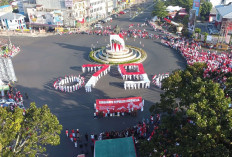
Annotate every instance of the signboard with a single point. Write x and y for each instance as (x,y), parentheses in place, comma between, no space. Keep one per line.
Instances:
(119,105)
(192,20)
(196,6)
(209,38)
(68,3)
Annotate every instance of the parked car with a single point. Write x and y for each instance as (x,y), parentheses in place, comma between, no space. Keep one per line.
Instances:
(10,101)
(126,11)
(122,12)
(98,26)
(102,21)
(114,16)
(109,18)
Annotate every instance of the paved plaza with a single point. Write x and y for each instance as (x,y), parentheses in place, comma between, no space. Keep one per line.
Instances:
(43,60)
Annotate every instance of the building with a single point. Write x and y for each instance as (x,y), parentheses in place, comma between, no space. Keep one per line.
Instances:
(52,4)
(224,19)
(216,4)
(6,9)
(23,5)
(12,21)
(96,9)
(219,2)
(121,4)
(109,7)
(20,7)
(223,13)
(80,10)
(38,17)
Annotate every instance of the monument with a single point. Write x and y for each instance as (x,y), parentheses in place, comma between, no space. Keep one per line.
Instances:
(118,52)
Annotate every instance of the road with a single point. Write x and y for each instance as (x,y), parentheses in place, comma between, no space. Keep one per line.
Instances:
(43,60)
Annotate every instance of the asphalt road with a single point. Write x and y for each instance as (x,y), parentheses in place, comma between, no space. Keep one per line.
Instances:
(43,60)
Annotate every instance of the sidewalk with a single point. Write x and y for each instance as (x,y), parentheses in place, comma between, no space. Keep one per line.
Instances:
(36,34)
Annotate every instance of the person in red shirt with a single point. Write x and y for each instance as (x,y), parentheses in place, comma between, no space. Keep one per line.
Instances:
(73,133)
(71,137)
(66,132)
(75,141)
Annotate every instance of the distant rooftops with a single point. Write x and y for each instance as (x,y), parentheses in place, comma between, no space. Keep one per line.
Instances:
(11,16)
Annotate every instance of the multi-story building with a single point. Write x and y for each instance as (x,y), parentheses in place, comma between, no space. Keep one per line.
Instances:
(109,7)
(52,4)
(12,21)
(97,9)
(80,10)
(37,16)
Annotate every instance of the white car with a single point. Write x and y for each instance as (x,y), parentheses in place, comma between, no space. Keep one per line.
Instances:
(109,18)
(98,26)
(2,101)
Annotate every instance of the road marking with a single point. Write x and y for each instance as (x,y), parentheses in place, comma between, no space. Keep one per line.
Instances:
(142,11)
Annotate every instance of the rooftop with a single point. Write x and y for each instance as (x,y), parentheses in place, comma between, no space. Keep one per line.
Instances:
(4,6)
(111,147)
(225,11)
(11,16)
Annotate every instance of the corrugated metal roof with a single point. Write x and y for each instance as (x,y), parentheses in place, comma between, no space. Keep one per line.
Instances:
(225,11)
(11,16)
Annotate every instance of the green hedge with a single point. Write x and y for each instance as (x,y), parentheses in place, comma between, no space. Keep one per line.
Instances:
(143,55)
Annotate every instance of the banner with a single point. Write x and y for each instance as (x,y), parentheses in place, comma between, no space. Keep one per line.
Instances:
(119,105)
(192,20)
(196,6)
(68,3)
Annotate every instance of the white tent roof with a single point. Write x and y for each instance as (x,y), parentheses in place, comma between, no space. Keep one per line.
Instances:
(173,8)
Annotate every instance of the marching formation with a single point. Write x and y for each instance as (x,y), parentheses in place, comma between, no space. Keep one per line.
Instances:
(99,69)
(157,79)
(69,83)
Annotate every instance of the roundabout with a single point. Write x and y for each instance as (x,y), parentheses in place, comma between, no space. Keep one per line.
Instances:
(118,52)
(45,59)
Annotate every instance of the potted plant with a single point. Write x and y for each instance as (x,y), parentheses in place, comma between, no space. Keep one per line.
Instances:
(179,28)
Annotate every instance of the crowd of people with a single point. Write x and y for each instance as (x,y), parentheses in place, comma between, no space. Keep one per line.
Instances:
(10,51)
(13,99)
(133,31)
(145,129)
(157,79)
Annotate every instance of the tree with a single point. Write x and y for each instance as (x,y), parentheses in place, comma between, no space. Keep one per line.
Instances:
(186,20)
(4,2)
(197,30)
(205,36)
(205,9)
(160,9)
(27,135)
(197,120)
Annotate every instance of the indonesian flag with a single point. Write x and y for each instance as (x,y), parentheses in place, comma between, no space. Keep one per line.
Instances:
(83,21)
(120,35)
